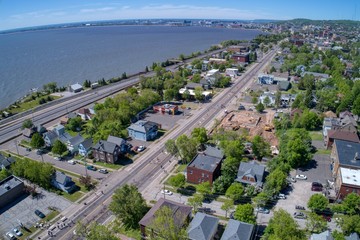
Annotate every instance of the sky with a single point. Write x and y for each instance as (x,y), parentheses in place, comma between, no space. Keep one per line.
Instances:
(26,13)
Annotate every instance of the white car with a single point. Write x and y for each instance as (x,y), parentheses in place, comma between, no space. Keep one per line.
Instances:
(10,236)
(103,170)
(17,232)
(166,192)
(301,177)
(281,196)
(141,148)
(72,162)
(57,158)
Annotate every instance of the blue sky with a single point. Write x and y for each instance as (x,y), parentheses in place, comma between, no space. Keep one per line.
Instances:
(24,13)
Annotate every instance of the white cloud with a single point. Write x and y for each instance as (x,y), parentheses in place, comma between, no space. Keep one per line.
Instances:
(92,10)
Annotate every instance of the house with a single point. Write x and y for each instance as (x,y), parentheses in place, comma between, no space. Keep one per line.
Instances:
(346,113)
(251,173)
(5,162)
(27,132)
(59,133)
(287,99)
(192,85)
(143,130)
(329,124)
(345,154)
(10,189)
(50,137)
(120,142)
(65,119)
(205,84)
(284,85)
(63,182)
(236,230)
(206,166)
(322,236)
(75,88)
(213,76)
(84,113)
(73,143)
(204,65)
(181,214)
(266,79)
(232,72)
(340,135)
(241,57)
(267,95)
(105,151)
(347,181)
(85,147)
(166,108)
(318,76)
(203,227)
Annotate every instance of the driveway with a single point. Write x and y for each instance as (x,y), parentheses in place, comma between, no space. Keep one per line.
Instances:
(318,169)
(167,121)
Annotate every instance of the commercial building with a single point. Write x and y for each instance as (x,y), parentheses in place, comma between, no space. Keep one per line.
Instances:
(10,189)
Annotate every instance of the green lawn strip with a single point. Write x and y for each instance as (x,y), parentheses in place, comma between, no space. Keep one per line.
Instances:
(29,105)
(68,172)
(316,136)
(181,168)
(108,165)
(323,151)
(25,143)
(72,133)
(51,215)
(32,229)
(73,197)
(132,233)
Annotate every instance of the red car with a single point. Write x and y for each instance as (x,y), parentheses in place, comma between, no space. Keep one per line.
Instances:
(327,217)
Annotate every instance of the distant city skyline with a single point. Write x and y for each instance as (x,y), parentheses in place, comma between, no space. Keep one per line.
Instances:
(25,13)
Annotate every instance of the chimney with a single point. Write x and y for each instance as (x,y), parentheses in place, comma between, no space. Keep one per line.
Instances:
(357,157)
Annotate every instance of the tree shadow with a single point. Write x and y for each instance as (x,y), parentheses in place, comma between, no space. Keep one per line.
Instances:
(187,191)
(310,165)
(124,161)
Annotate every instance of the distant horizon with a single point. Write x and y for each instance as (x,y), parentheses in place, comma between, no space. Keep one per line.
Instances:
(23,13)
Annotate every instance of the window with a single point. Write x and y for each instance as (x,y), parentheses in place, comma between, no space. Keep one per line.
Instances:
(202,175)
(191,171)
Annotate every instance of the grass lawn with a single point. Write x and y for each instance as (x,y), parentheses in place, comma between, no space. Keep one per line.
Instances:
(72,133)
(316,136)
(72,197)
(181,168)
(51,215)
(25,143)
(29,105)
(108,165)
(133,233)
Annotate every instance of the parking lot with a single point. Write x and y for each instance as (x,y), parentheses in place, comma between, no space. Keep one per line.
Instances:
(167,121)
(23,210)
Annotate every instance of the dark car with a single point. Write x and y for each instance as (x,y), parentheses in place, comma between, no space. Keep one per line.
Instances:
(316,189)
(206,210)
(241,107)
(39,214)
(92,168)
(316,184)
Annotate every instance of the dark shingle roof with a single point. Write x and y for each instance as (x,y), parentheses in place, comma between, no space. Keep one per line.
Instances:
(76,140)
(202,227)
(60,177)
(236,230)
(251,169)
(204,162)
(214,152)
(6,162)
(116,140)
(179,210)
(87,143)
(105,146)
(142,126)
(347,152)
(343,135)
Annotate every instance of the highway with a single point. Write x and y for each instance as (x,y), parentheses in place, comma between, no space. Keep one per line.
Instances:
(146,167)
(10,127)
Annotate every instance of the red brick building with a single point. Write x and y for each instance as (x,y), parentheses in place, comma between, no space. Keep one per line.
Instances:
(347,181)
(241,57)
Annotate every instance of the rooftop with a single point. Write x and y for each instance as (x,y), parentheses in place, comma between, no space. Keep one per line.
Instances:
(205,162)
(348,153)
(202,227)
(350,176)
(344,135)
(9,183)
(236,230)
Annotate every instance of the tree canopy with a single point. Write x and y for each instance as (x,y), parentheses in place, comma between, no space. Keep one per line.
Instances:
(235,191)
(37,141)
(245,213)
(318,202)
(59,148)
(27,124)
(177,180)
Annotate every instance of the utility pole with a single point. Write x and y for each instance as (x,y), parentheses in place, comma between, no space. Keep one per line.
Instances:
(164,191)
(16,145)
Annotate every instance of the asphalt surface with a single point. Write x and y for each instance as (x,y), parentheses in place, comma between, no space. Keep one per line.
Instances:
(142,172)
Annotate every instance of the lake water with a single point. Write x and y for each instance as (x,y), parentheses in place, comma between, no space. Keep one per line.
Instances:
(66,56)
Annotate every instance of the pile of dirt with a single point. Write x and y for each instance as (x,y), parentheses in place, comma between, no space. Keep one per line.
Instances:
(253,122)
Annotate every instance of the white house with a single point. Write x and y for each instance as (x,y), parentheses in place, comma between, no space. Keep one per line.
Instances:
(232,72)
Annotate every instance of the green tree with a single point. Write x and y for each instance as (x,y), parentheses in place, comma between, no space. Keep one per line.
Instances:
(260,107)
(99,232)
(182,57)
(277,99)
(50,87)
(235,191)
(4,174)
(310,120)
(171,148)
(316,223)
(37,141)
(283,226)
(196,201)
(198,93)
(58,148)
(356,106)
(146,69)
(260,147)
(227,206)
(318,202)
(204,189)
(177,180)
(262,198)
(165,227)
(196,78)
(338,235)
(350,224)
(245,213)
(266,101)
(276,181)
(124,76)
(234,149)
(128,205)
(351,203)
(199,135)
(186,95)
(74,124)
(186,147)
(132,91)
(27,124)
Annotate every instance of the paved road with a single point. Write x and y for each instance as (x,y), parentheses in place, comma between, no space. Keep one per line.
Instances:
(148,166)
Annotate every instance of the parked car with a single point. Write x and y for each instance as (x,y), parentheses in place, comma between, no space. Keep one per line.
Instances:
(141,148)
(39,152)
(299,215)
(301,177)
(316,189)
(316,184)
(57,158)
(28,149)
(92,168)
(292,179)
(327,217)
(206,210)
(17,232)
(262,210)
(10,236)
(39,214)
(241,107)
(281,196)
(166,192)
(103,170)
(72,162)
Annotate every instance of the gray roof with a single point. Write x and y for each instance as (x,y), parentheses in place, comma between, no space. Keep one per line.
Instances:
(180,212)
(214,152)
(329,122)
(117,140)
(9,183)
(105,146)
(87,143)
(202,227)
(251,169)
(284,85)
(315,74)
(60,177)
(236,230)
(193,85)
(52,135)
(76,86)
(6,161)
(76,140)
(204,162)
(142,126)
(322,236)
(353,236)
(347,152)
